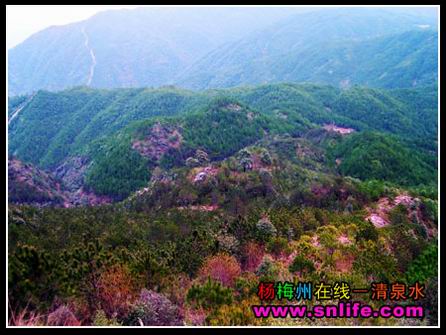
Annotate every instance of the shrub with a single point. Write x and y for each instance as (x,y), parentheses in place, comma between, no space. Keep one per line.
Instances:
(174,286)
(252,255)
(287,223)
(373,189)
(430,301)
(100,319)
(308,220)
(398,215)
(239,314)
(424,266)
(429,208)
(201,156)
(210,295)
(301,264)
(31,277)
(265,157)
(62,316)
(265,229)
(405,246)
(222,268)
(367,231)
(278,246)
(26,318)
(373,260)
(195,317)
(227,242)
(267,270)
(192,162)
(154,309)
(246,285)
(115,291)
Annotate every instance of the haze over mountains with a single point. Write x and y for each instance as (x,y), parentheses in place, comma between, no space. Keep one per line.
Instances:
(225,47)
(164,162)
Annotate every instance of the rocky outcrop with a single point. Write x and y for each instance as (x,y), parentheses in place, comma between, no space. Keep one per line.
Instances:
(64,187)
(159,140)
(30,185)
(72,172)
(340,130)
(379,215)
(198,175)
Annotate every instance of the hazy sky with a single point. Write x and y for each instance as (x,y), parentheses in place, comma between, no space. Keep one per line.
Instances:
(25,20)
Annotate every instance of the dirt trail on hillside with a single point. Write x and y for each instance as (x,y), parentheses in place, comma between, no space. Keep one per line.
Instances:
(20,108)
(92,55)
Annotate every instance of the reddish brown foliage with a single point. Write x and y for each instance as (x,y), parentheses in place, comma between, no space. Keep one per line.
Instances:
(252,255)
(221,267)
(116,291)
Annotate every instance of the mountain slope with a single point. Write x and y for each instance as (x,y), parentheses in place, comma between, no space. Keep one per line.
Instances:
(112,140)
(225,47)
(54,126)
(340,47)
(371,155)
(27,184)
(403,60)
(128,48)
(124,162)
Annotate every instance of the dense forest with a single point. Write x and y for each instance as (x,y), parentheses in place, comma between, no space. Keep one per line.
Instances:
(200,160)
(191,250)
(213,193)
(54,126)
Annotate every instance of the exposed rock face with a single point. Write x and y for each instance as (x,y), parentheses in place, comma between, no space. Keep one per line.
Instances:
(72,172)
(337,129)
(202,208)
(343,239)
(201,174)
(234,107)
(160,139)
(82,197)
(344,84)
(377,220)
(379,216)
(315,241)
(28,184)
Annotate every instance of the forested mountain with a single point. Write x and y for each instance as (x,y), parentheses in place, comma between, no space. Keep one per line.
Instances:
(103,127)
(128,48)
(342,48)
(214,200)
(402,60)
(209,48)
(52,126)
(164,163)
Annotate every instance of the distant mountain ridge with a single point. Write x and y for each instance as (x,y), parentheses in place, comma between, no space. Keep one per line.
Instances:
(408,59)
(132,48)
(341,47)
(225,47)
